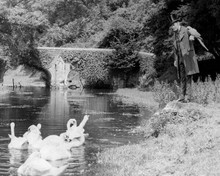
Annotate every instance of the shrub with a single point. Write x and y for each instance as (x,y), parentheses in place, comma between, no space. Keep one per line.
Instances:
(165,92)
(91,66)
(124,62)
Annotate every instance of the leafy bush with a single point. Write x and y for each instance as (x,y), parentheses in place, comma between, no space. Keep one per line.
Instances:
(164,92)
(91,66)
(123,60)
(124,63)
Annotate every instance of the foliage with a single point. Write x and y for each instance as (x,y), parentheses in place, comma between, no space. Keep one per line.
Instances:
(134,24)
(19,29)
(95,73)
(147,70)
(165,92)
(201,92)
(45,58)
(123,60)
(123,34)
(206,92)
(91,66)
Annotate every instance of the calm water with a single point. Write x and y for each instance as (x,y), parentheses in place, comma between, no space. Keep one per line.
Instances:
(111,123)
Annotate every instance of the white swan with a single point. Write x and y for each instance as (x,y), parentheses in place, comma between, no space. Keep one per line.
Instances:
(74,142)
(54,140)
(35,139)
(71,123)
(33,128)
(51,148)
(33,135)
(17,142)
(73,137)
(37,166)
(54,152)
(75,132)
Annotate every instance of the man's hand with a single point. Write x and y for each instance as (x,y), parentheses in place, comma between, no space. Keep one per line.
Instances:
(191,37)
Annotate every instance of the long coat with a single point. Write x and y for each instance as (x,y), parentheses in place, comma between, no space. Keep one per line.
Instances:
(187,51)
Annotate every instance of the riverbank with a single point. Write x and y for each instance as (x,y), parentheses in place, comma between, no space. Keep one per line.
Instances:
(183,139)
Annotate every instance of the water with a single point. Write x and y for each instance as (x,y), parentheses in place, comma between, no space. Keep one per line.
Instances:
(110,124)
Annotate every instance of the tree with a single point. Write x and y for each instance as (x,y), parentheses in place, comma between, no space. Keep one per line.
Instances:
(19,28)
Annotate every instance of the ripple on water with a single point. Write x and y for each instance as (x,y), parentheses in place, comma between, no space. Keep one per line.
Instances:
(15,107)
(6,167)
(132,115)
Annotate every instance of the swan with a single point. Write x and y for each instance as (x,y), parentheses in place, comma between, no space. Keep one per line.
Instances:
(37,142)
(51,148)
(75,132)
(54,152)
(33,135)
(17,142)
(73,137)
(31,129)
(37,166)
(71,123)
(74,142)
(51,144)
(58,142)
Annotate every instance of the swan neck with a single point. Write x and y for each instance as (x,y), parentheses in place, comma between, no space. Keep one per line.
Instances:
(69,123)
(83,122)
(12,130)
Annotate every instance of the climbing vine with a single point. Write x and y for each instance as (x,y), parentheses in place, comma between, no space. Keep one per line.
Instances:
(91,66)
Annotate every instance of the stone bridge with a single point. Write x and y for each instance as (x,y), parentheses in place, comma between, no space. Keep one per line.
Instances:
(61,61)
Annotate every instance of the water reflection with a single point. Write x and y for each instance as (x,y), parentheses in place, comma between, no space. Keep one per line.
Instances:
(57,107)
(109,125)
(18,156)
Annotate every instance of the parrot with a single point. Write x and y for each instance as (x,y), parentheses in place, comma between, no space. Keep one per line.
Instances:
(196,34)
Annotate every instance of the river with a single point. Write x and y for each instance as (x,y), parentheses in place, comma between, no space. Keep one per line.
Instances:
(110,124)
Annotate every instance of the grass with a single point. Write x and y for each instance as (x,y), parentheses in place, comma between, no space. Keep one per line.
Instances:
(181,141)
(200,92)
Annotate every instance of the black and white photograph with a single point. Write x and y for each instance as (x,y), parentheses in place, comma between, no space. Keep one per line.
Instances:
(109,87)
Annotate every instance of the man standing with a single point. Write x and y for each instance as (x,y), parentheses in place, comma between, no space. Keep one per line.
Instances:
(185,58)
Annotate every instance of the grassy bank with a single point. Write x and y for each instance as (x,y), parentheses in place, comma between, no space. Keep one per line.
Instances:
(180,140)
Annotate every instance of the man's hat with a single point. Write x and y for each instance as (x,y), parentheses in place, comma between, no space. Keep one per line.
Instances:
(174,19)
